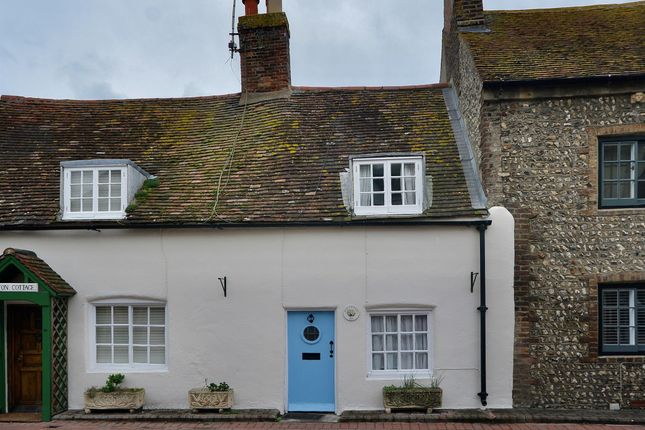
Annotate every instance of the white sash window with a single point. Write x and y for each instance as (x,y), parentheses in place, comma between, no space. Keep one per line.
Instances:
(129,336)
(385,186)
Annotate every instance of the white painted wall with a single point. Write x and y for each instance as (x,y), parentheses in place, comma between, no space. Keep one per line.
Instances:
(241,338)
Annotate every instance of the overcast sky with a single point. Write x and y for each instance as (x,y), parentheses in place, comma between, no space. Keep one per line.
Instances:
(96,49)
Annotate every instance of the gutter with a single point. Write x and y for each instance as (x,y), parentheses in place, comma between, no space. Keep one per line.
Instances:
(562,87)
(225,225)
(566,80)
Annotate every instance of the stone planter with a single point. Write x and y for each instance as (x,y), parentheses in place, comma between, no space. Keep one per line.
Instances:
(411,398)
(203,398)
(131,399)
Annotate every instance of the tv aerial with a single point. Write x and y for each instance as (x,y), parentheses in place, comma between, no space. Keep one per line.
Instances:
(232,46)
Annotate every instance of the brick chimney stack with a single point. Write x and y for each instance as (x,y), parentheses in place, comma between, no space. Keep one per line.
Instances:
(464,13)
(264,49)
(459,16)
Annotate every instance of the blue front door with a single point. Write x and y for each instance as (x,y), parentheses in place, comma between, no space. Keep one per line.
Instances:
(311,351)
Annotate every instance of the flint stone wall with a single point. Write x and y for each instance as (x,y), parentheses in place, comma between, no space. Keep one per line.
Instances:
(539,160)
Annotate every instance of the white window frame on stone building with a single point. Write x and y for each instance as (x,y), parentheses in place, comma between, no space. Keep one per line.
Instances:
(621,181)
(622,320)
(388,185)
(127,321)
(392,344)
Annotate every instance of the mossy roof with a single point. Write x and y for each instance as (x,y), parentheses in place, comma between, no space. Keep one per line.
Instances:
(574,42)
(40,268)
(218,161)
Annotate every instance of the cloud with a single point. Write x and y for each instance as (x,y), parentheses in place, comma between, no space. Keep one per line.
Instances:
(90,79)
(95,91)
(192,89)
(166,48)
(6,56)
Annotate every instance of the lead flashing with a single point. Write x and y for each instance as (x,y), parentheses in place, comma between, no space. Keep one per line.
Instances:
(478,198)
(117,162)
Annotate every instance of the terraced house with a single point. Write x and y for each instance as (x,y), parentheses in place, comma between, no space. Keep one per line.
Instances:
(554,100)
(306,245)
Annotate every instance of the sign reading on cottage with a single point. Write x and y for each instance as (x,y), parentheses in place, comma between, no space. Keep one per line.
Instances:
(18,288)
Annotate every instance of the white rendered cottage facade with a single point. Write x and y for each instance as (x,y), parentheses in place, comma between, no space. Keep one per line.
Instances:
(306,245)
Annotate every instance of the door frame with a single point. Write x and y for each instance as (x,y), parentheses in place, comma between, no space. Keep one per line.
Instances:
(43,302)
(332,309)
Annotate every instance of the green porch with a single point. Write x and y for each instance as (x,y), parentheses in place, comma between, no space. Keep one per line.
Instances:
(34,294)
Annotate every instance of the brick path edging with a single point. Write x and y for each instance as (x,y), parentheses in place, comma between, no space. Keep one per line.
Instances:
(491,416)
(176,415)
(499,416)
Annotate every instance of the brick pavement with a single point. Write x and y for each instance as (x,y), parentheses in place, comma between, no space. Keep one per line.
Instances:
(109,425)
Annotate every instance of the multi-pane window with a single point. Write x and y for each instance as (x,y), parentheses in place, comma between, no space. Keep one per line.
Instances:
(131,336)
(94,193)
(622,173)
(388,186)
(109,190)
(81,191)
(400,342)
(622,327)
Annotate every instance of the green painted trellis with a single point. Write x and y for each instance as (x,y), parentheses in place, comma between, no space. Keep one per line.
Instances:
(53,307)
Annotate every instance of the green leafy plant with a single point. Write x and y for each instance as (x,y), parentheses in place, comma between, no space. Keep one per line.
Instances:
(112,383)
(222,386)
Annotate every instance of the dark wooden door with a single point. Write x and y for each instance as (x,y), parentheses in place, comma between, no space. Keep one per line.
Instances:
(24,341)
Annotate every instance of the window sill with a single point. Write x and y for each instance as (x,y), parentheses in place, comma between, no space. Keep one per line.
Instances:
(362,214)
(399,375)
(128,369)
(632,210)
(94,217)
(621,354)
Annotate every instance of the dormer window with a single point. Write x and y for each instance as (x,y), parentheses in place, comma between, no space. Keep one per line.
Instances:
(388,185)
(99,189)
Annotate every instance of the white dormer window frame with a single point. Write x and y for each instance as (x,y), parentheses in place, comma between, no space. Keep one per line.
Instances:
(96,192)
(388,185)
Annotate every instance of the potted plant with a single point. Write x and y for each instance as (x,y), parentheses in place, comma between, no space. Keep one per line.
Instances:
(412,395)
(211,396)
(113,396)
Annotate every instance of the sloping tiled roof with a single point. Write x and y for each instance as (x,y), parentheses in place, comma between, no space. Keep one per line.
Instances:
(592,41)
(219,161)
(39,268)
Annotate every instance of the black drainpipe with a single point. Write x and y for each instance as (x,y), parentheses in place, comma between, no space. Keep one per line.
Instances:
(482,311)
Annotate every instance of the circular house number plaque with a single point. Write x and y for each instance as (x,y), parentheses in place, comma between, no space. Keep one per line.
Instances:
(351,313)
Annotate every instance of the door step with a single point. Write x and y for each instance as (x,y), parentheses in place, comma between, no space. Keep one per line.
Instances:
(310,417)
(20,417)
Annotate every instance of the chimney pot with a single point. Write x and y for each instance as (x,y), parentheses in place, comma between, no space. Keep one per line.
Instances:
(274,6)
(251,7)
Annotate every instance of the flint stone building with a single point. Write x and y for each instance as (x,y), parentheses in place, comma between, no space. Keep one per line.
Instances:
(554,104)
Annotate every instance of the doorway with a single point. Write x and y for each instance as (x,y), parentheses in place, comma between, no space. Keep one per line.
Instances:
(311,362)
(24,358)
